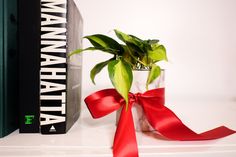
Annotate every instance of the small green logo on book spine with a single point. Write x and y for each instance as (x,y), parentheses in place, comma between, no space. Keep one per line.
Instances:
(29,119)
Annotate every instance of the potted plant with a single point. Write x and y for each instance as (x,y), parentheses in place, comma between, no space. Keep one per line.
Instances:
(133,55)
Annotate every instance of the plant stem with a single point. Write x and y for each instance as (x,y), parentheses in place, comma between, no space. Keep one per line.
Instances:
(147,86)
(136,58)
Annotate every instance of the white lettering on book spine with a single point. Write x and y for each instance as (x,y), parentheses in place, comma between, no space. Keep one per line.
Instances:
(53,62)
(53,73)
(53,46)
(52,20)
(51,59)
(54,33)
(51,87)
(53,6)
(51,119)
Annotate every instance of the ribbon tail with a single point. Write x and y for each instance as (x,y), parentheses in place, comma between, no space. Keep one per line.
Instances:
(169,125)
(125,144)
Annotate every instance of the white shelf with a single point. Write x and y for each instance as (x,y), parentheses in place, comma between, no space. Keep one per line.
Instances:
(93,138)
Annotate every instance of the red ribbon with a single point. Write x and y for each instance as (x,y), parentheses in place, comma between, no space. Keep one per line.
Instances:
(160,117)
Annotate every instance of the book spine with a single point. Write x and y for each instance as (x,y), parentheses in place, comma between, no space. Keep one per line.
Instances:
(1,69)
(53,71)
(29,64)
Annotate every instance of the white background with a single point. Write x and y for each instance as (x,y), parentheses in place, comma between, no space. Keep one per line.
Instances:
(199,35)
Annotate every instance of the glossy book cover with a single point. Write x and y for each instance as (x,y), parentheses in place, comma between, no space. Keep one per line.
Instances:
(8,67)
(60,77)
(29,65)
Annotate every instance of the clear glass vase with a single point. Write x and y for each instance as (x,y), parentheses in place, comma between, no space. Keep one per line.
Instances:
(139,86)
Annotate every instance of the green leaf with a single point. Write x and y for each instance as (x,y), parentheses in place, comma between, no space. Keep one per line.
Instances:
(131,41)
(106,43)
(153,74)
(127,57)
(152,41)
(146,60)
(123,37)
(151,44)
(78,51)
(136,38)
(97,68)
(136,50)
(121,76)
(158,54)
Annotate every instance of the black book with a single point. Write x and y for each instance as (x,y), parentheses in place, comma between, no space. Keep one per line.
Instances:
(60,76)
(29,65)
(8,67)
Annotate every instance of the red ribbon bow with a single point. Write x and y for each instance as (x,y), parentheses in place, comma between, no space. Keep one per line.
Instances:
(160,117)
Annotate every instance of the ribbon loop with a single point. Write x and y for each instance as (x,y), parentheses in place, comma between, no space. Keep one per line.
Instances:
(103,102)
(160,117)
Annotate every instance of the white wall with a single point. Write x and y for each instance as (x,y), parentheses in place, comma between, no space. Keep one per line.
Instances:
(200,37)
